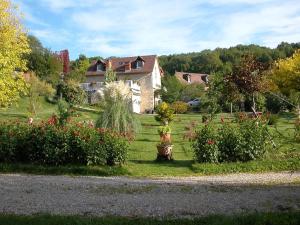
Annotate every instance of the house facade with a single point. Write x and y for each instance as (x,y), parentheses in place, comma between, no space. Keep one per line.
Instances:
(141,73)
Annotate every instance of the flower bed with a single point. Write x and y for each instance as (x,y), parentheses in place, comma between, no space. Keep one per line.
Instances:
(48,143)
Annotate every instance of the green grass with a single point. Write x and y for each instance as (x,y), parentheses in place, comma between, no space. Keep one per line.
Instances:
(289,218)
(141,157)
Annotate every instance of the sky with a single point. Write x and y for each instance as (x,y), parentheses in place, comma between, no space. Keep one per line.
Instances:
(141,27)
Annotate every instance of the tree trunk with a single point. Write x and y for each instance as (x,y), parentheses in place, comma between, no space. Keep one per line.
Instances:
(298,109)
(253,103)
(231,108)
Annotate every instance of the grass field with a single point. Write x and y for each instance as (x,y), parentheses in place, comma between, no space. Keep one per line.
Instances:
(291,218)
(142,154)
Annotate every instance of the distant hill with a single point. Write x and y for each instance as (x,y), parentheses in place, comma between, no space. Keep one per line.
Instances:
(221,60)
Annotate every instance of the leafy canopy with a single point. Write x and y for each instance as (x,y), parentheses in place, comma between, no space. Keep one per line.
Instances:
(13,46)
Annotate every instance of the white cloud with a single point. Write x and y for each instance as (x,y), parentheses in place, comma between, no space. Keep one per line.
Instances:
(132,27)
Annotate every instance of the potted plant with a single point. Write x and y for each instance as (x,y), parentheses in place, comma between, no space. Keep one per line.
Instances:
(165,133)
(164,151)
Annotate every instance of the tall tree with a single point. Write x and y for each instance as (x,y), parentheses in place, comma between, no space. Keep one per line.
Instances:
(249,77)
(286,75)
(13,46)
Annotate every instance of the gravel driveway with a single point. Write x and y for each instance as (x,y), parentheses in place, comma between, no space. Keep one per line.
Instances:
(171,197)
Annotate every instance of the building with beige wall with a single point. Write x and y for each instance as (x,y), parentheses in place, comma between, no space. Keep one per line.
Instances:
(141,73)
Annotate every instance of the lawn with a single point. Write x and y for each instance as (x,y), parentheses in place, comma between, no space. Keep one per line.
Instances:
(290,218)
(142,154)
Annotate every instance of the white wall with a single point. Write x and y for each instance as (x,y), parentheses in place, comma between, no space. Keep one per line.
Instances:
(156,79)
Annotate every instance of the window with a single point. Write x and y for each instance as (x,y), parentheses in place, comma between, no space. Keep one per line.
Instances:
(187,77)
(100,67)
(139,64)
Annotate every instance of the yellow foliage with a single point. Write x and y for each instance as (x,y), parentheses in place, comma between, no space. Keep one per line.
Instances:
(286,74)
(13,46)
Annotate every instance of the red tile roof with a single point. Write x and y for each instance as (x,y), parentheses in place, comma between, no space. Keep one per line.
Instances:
(195,77)
(118,65)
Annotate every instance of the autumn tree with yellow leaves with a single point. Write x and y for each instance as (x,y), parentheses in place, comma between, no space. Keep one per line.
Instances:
(13,46)
(286,75)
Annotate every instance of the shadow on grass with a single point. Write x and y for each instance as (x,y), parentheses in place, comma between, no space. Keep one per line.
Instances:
(64,170)
(173,163)
(13,115)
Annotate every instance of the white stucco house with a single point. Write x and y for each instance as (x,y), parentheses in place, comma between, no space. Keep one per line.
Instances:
(142,74)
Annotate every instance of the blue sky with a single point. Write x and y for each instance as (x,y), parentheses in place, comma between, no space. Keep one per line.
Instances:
(140,27)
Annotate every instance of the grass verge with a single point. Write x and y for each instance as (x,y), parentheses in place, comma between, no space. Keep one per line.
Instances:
(288,218)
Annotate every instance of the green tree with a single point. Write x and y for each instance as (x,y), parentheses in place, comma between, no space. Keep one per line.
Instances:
(79,68)
(110,75)
(37,88)
(171,89)
(13,46)
(45,64)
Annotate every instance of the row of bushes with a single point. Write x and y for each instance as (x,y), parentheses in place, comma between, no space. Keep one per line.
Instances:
(244,141)
(48,143)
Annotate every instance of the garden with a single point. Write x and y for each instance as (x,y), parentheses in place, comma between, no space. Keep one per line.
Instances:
(229,143)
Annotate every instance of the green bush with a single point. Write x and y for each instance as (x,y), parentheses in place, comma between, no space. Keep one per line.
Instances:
(275,104)
(297,130)
(179,107)
(71,92)
(229,144)
(272,119)
(255,139)
(206,145)
(244,141)
(47,143)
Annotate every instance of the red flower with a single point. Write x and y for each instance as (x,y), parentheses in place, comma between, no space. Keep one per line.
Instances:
(210,142)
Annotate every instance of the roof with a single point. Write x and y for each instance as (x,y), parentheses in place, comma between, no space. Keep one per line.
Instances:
(200,78)
(121,65)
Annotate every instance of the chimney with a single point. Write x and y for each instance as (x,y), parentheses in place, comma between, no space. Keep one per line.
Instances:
(109,64)
(127,66)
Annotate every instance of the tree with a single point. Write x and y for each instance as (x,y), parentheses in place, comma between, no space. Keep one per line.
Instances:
(79,68)
(37,88)
(110,75)
(13,46)
(249,78)
(286,75)
(171,89)
(45,64)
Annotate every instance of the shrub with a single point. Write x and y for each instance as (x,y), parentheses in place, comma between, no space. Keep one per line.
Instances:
(276,103)
(117,112)
(297,130)
(179,107)
(245,141)
(46,143)
(205,145)
(254,134)
(165,114)
(272,119)
(71,92)
(64,112)
(230,141)
(164,130)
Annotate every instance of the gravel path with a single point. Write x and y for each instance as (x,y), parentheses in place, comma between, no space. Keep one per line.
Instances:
(171,197)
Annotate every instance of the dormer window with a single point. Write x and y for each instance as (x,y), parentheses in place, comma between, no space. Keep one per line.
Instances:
(139,64)
(100,67)
(187,77)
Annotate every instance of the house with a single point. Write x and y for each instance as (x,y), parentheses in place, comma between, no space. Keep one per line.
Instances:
(141,73)
(191,78)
